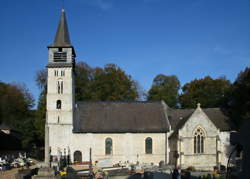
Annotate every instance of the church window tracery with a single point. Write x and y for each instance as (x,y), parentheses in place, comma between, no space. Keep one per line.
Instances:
(148,145)
(199,141)
(108,146)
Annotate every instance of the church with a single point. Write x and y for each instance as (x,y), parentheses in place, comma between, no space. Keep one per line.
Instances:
(126,131)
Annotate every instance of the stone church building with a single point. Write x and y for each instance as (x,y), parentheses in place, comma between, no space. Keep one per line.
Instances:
(126,131)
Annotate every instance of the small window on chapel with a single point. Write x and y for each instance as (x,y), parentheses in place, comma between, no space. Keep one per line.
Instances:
(148,145)
(108,146)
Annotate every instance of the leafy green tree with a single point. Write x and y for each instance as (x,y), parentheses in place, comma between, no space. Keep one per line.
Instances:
(165,88)
(84,76)
(40,114)
(238,101)
(16,103)
(207,91)
(112,83)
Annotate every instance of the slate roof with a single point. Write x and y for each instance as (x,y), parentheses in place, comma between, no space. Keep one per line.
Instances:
(178,117)
(62,38)
(120,117)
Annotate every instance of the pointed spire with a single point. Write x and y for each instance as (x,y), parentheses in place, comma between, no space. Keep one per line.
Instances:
(62,35)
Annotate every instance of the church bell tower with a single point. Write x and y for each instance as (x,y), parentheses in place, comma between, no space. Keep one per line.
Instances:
(60,84)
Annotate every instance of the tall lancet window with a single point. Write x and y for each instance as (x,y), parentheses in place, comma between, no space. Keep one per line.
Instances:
(199,137)
(60,86)
(108,146)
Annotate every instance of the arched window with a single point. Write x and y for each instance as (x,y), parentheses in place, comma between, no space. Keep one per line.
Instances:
(60,87)
(77,156)
(58,104)
(108,146)
(148,145)
(199,141)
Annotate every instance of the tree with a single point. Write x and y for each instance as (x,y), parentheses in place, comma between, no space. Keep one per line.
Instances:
(112,83)
(207,91)
(84,77)
(16,103)
(165,88)
(238,101)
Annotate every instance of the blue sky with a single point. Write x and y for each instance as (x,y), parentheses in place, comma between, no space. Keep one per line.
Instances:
(188,38)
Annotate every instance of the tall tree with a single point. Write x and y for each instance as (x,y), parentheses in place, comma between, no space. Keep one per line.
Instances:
(165,88)
(112,83)
(16,103)
(238,102)
(207,91)
(84,76)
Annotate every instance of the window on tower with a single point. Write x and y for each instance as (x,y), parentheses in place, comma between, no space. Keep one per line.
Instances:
(60,86)
(62,73)
(58,104)
(60,56)
(56,72)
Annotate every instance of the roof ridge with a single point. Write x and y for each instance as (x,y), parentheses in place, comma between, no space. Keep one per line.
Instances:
(117,101)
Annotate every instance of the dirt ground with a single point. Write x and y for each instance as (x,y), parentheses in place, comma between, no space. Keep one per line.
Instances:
(10,174)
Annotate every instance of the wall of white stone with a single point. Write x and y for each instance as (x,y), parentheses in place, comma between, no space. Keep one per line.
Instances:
(225,147)
(126,146)
(65,114)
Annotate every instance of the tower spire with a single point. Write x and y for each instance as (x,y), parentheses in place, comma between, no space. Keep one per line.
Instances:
(62,38)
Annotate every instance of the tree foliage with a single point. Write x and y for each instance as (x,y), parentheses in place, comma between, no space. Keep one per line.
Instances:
(207,91)
(112,83)
(165,88)
(16,104)
(238,101)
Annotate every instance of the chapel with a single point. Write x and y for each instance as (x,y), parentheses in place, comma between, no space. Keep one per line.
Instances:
(126,131)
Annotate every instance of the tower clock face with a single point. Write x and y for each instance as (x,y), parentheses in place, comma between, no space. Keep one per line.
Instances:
(60,57)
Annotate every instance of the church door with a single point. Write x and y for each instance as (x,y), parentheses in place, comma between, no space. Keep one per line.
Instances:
(77,156)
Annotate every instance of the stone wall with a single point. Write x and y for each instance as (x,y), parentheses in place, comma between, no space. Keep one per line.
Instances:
(126,146)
